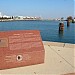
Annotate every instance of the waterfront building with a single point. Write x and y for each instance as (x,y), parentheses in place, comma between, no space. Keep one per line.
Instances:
(20,17)
(5,16)
(74,19)
(0,14)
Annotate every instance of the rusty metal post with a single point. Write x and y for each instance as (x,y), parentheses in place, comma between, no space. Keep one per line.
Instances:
(61,26)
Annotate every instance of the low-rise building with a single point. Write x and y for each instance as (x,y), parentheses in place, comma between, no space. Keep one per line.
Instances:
(0,14)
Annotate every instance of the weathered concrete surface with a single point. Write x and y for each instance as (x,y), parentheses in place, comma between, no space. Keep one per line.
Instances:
(59,60)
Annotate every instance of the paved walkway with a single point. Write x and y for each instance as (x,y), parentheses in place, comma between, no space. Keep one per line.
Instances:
(59,60)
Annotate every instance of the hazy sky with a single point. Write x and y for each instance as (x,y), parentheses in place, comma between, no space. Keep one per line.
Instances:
(43,8)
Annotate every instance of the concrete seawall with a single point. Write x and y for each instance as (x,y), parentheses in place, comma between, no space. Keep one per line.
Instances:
(59,60)
(68,45)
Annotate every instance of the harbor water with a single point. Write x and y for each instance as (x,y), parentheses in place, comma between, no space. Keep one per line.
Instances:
(49,29)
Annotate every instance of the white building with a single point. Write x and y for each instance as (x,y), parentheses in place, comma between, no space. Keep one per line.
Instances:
(20,17)
(74,19)
(5,16)
(0,14)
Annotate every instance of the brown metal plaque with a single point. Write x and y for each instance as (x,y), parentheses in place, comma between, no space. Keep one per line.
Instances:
(3,42)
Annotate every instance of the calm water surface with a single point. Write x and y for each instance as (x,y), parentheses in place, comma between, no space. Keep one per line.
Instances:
(49,29)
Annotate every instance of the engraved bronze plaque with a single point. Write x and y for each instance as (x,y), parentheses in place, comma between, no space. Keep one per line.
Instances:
(3,42)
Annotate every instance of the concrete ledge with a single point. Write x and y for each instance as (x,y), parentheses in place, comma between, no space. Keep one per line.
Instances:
(59,44)
(59,60)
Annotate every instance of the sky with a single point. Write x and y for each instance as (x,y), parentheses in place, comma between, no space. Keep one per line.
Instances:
(41,8)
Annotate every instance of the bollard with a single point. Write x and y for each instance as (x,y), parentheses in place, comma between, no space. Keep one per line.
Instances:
(61,26)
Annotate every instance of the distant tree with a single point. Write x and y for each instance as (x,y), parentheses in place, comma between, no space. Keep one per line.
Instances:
(73,21)
(69,18)
(2,17)
(12,17)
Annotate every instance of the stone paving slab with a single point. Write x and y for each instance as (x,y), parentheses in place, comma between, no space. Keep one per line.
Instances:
(65,53)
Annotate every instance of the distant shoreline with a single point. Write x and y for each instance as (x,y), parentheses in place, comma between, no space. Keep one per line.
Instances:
(9,20)
(12,20)
(17,20)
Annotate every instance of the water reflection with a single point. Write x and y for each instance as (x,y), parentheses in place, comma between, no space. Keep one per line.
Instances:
(61,33)
(68,26)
